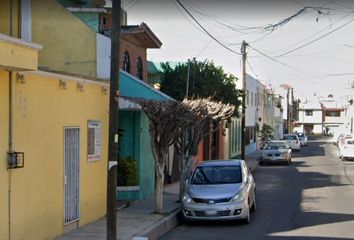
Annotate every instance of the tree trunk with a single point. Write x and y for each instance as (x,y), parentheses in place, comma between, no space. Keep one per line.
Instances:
(181,185)
(159,189)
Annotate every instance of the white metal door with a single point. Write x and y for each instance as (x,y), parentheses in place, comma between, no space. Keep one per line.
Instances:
(71,175)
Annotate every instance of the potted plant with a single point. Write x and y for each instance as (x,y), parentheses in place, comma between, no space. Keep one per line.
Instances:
(128,179)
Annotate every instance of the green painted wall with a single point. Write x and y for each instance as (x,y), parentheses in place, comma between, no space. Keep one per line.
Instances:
(147,164)
(136,142)
(127,146)
(235,137)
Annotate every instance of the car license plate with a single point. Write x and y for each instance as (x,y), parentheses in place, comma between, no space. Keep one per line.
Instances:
(210,212)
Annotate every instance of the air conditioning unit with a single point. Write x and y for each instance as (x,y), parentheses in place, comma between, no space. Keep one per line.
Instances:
(15,160)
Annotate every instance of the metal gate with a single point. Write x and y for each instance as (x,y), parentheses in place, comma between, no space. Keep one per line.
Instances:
(71,175)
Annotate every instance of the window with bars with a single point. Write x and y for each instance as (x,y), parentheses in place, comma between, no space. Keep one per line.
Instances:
(139,68)
(126,62)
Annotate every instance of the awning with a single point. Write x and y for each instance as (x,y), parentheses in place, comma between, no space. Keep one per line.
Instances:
(133,89)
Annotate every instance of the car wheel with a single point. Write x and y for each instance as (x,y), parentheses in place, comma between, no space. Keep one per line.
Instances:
(261,163)
(344,159)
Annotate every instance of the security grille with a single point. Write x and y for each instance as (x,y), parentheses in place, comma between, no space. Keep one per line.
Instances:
(71,175)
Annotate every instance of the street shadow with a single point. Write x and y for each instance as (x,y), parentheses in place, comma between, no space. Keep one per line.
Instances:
(313,149)
(308,238)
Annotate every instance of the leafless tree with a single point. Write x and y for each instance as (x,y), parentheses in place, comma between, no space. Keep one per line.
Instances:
(206,113)
(167,119)
(183,124)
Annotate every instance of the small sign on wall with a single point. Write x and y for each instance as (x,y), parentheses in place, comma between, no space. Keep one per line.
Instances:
(93,140)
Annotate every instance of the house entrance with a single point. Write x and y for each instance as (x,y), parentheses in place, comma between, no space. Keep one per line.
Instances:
(71,175)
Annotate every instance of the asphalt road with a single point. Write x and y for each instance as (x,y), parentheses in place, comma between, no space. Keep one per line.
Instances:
(311,199)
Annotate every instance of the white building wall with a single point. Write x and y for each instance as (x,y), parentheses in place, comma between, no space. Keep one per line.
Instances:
(26,20)
(103,52)
(252,92)
(318,128)
(315,118)
(252,114)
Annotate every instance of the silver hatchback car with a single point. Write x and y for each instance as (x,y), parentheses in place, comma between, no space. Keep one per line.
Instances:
(276,151)
(220,190)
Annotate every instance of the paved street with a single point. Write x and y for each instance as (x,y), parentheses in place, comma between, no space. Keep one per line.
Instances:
(311,199)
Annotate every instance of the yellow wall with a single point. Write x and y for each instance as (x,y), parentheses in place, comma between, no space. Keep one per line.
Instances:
(41,111)
(69,44)
(15,56)
(4,116)
(5,17)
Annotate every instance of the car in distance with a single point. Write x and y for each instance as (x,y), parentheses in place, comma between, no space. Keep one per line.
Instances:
(347,149)
(275,151)
(293,141)
(341,140)
(219,190)
(303,138)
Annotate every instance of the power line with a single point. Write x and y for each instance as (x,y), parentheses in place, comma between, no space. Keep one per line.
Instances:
(316,39)
(204,48)
(215,39)
(323,29)
(249,64)
(188,19)
(272,58)
(215,19)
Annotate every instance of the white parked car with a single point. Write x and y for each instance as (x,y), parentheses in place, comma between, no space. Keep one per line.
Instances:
(293,141)
(303,138)
(341,140)
(347,149)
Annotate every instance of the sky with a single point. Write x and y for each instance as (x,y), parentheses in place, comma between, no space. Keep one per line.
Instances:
(312,52)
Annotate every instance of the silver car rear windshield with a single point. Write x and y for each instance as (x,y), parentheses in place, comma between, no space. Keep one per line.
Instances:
(274,147)
(217,175)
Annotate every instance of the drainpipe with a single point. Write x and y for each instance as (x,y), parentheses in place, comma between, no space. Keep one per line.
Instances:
(10,128)
(10,149)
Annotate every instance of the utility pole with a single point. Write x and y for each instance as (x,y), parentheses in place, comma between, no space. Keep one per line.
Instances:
(111,231)
(288,110)
(187,84)
(243,123)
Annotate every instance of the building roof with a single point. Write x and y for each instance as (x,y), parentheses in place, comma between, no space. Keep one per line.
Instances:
(143,34)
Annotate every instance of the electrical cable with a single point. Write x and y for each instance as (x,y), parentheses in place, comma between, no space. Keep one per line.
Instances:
(206,31)
(316,39)
(249,64)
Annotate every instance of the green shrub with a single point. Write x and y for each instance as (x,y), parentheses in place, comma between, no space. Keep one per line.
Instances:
(127,172)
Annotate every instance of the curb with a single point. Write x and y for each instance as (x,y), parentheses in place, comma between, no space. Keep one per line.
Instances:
(159,228)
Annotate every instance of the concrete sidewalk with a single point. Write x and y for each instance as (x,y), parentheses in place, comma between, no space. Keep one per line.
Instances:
(138,221)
